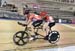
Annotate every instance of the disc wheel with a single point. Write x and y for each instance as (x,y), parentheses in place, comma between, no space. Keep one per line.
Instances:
(20,38)
(53,37)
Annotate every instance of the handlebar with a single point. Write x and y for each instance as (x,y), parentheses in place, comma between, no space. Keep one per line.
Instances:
(22,24)
(25,25)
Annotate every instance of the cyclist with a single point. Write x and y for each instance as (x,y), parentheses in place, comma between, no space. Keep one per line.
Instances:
(32,19)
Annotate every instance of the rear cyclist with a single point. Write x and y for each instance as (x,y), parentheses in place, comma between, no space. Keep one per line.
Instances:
(48,22)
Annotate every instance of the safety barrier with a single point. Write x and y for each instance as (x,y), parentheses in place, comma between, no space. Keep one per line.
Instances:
(63,21)
(12,18)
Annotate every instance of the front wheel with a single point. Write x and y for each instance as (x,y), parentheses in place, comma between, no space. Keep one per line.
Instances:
(53,37)
(20,38)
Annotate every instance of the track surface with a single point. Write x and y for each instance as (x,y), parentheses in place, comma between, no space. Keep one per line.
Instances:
(8,28)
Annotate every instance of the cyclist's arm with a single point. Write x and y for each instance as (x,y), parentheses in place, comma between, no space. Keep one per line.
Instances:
(30,19)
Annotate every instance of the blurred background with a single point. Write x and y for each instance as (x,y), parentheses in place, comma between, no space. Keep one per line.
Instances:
(63,11)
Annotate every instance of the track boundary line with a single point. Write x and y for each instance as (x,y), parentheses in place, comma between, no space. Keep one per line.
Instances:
(69,26)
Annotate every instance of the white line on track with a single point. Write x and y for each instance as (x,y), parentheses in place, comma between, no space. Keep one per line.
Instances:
(68,26)
(69,48)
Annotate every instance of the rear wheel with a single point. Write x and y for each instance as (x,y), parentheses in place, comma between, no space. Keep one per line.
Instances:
(21,38)
(53,37)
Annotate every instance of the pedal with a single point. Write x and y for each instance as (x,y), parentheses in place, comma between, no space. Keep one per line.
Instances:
(35,37)
(31,38)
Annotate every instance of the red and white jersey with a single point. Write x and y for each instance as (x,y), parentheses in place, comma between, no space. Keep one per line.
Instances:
(49,19)
(34,17)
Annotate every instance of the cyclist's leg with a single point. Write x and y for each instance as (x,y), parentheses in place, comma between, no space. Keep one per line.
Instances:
(34,35)
(51,25)
(36,24)
(46,29)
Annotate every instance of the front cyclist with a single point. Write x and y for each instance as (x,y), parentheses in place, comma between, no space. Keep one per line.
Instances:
(33,19)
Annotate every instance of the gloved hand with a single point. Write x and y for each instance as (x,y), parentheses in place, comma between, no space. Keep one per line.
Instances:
(19,23)
(22,24)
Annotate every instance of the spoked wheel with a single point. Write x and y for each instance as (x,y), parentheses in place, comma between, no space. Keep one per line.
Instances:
(20,38)
(53,37)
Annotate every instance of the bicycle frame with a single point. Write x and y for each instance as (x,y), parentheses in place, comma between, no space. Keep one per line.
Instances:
(26,35)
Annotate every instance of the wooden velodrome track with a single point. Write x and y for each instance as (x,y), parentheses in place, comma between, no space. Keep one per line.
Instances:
(9,27)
